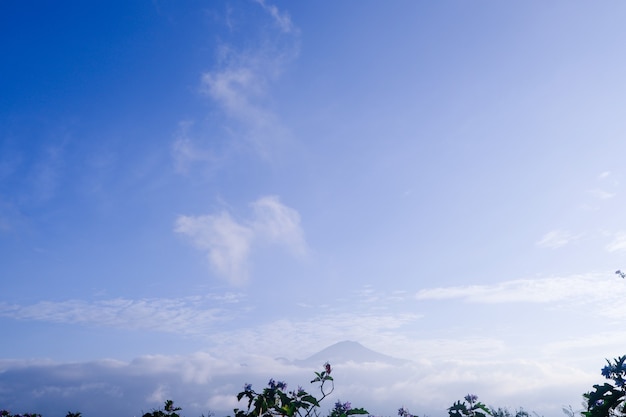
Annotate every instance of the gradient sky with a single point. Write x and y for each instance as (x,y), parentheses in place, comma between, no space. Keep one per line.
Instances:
(189,190)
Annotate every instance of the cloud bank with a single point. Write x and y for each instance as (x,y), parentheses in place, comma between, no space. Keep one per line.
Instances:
(203,383)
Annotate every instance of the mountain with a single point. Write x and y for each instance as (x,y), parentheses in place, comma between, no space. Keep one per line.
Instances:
(348,351)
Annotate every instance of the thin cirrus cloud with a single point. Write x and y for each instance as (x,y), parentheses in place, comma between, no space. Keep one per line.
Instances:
(186,151)
(282,19)
(555,239)
(240,89)
(228,243)
(575,289)
(601,194)
(239,86)
(618,244)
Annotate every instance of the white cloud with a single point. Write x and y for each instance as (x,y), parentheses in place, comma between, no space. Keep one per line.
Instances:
(278,224)
(556,239)
(228,242)
(234,89)
(618,244)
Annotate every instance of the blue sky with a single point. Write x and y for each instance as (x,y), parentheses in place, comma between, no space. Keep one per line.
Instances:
(186,187)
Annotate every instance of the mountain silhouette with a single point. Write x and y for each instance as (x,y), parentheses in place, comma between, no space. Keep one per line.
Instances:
(348,351)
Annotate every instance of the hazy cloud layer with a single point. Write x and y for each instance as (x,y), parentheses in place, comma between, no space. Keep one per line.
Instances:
(202,382)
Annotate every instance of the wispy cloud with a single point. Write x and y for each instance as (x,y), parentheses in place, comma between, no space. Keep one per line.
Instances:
(601,194)
(228,242)
(240,90)
(579,287)
(555,239)
(618,244)
(278,223)
(188,152)
(303,337)
(282,19)
(606,180)
(190,315)
(239,86)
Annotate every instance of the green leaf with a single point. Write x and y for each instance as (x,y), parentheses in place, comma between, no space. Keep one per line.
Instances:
(357,411)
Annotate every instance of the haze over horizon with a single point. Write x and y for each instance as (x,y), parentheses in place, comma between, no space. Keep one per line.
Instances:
(197,195)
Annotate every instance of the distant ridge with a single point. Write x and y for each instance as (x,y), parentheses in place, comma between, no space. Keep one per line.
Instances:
(348,351)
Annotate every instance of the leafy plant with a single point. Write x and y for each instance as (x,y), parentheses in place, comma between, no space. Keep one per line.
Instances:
(608,399)
(274,400)
(471,407)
